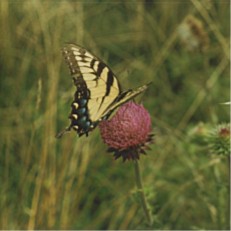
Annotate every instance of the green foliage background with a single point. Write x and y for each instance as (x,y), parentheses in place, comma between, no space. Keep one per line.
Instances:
(73,183)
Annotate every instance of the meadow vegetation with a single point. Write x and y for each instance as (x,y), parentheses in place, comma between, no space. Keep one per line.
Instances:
(73,183)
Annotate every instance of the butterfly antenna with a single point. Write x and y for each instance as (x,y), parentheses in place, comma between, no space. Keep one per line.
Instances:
(60,134)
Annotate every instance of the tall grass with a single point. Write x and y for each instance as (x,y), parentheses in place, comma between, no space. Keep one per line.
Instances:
(73,183)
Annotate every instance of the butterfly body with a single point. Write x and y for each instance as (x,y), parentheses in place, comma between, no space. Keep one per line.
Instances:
(98,92)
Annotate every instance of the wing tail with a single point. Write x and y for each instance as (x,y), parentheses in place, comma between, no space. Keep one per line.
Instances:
(60,134)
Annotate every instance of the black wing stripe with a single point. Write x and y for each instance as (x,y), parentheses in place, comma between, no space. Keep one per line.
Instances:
(92,63)
(110,80)
(100,68)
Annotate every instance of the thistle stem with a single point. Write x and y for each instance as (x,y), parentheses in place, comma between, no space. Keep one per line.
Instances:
(139,185)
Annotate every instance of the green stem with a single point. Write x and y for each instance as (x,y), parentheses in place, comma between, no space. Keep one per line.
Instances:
(139,185)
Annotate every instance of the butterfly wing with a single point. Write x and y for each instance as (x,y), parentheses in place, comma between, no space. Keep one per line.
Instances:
(96,88)
(98,91)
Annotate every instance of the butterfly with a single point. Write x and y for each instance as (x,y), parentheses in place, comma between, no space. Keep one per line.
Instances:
(98,91)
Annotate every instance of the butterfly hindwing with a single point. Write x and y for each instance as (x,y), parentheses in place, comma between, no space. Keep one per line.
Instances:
(97,93)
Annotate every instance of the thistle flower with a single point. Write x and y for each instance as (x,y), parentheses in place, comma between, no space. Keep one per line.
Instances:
(128,133)
(219,140)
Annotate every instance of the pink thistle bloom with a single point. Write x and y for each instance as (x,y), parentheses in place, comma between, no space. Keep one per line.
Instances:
(128,132)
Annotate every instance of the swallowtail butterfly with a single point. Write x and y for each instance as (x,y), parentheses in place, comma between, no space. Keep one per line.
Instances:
(98,92)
